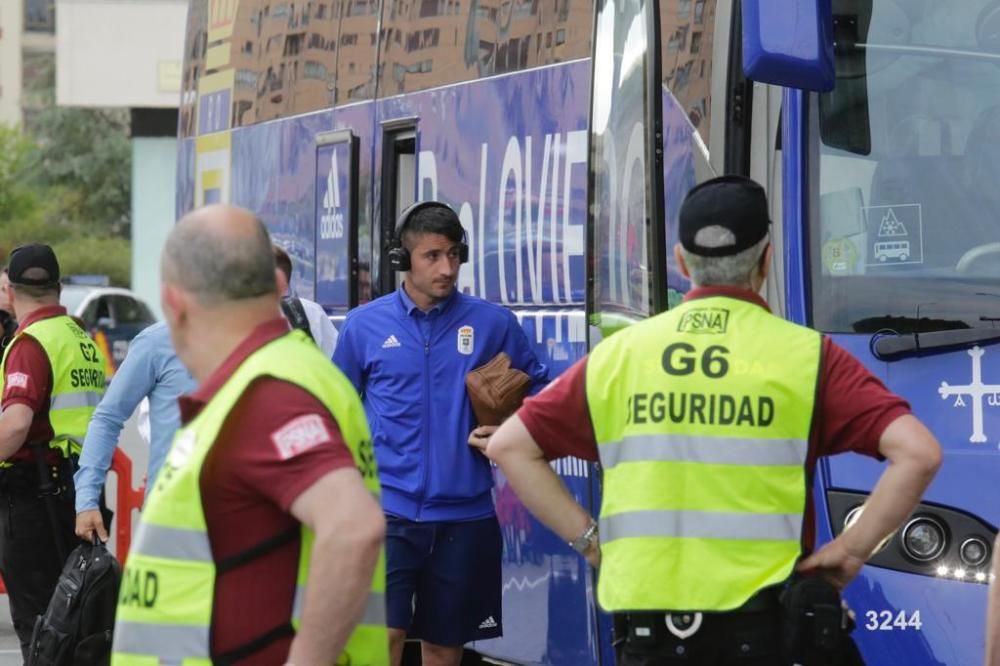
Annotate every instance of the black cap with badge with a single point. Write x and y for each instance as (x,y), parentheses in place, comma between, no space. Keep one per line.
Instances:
(33,256)
(734,203)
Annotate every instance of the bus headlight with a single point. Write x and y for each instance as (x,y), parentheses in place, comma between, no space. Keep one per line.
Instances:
(934,541)
(924,539)
(974,551)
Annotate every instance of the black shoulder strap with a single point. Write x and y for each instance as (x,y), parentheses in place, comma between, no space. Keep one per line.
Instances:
(295,313)
(257,551)
(256,645)
(249,555)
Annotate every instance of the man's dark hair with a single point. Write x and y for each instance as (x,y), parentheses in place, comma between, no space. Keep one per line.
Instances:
(218,267)
(432,220)
(283,261)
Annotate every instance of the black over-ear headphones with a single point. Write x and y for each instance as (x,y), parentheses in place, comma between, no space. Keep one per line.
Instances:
(399,256)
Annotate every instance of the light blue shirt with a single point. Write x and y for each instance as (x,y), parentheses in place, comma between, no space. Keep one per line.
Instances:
(151,369)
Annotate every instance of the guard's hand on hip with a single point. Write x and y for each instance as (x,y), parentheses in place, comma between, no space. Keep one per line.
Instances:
(480,437)
(88,522)
(834,563)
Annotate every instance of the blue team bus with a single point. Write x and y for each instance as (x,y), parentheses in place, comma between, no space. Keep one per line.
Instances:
(566,134)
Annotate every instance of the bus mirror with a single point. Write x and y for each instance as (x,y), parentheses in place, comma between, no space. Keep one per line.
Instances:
(789,43)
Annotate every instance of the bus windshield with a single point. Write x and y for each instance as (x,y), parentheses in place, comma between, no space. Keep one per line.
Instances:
(905,234)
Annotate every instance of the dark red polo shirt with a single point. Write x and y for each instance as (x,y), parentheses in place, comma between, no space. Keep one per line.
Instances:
(28,381)
(853,408)
(256,469)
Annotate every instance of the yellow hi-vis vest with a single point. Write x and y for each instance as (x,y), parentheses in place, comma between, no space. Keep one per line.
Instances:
(702,416)
(165,604)
(77,378)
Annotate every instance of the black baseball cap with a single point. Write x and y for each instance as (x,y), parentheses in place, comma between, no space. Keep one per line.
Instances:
(732,202)
(33,255)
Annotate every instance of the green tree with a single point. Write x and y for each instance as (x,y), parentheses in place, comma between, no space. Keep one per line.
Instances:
(111,256)
(65,180)
(84,159)
(81,211)
(17,198)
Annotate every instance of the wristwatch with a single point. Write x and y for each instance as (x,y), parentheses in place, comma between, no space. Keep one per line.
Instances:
(587,540)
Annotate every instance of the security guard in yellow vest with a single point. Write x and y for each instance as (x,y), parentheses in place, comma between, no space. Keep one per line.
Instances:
(707,421)
(261,541)
(52,377)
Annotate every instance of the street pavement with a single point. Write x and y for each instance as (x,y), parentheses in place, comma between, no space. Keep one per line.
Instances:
(10,653)
(133,445)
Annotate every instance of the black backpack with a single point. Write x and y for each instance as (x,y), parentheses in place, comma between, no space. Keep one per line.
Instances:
(77,626)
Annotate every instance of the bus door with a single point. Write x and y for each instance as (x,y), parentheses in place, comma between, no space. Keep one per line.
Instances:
(625,246)
(669,109)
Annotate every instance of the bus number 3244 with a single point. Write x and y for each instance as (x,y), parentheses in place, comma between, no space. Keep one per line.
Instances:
(889,621)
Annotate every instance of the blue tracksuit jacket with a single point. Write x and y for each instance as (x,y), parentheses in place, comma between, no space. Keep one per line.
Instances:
(409,368)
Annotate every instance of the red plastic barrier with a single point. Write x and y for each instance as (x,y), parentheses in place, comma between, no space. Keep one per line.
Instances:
(129,498)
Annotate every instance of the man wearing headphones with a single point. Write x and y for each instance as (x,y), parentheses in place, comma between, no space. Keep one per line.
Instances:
(407,354)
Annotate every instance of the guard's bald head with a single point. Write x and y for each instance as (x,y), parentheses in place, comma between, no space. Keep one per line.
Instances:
(220,253)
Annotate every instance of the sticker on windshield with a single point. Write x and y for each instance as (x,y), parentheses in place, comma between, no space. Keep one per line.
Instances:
(895,234)
(840,257)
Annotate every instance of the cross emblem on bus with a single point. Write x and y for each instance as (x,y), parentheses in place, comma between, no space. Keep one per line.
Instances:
(976,390)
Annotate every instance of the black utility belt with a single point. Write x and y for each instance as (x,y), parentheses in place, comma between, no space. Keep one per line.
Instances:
(807,614)
(684,624)
(24,477)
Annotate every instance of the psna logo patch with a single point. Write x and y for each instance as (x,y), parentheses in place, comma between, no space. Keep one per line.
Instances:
(704,320)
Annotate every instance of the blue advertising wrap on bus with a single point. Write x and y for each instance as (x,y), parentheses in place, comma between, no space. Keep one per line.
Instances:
(879,227)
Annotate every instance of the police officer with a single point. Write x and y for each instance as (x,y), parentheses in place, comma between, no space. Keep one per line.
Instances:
(703,419)
(53,377)
(260,542)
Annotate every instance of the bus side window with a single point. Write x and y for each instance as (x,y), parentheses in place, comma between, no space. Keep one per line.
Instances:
(440,42)
(195,45)
(627,258)
(358,45)
(687,28)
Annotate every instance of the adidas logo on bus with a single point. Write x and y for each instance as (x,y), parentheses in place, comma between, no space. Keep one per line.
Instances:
(488,623)
(331,222)
(391,342)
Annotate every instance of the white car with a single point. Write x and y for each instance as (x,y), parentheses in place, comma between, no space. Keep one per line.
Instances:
(117,313)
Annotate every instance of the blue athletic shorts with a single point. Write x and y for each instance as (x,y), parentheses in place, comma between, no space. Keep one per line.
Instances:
(443,580)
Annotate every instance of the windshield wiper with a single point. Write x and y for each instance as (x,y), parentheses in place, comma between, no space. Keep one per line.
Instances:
(892,347)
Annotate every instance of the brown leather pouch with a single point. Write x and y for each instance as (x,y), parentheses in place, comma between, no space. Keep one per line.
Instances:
(496,390)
